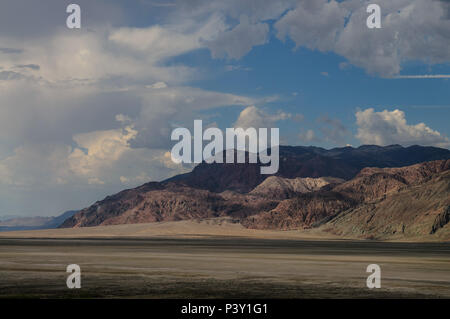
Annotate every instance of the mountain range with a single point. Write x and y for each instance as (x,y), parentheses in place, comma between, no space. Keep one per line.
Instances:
(300,161)
(34,223)
(365,192)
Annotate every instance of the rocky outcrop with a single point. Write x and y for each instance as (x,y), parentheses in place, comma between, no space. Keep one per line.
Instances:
(413,212)
(373,184)
(441,220)
(376,202)
(282,188)
(301,212)
(171,202)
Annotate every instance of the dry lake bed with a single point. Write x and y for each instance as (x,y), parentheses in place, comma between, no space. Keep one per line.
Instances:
(222,267)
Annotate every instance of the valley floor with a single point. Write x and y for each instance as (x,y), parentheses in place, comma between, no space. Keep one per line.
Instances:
(213,227)
(222,267)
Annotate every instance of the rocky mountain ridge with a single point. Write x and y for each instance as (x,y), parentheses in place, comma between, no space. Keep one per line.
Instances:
(286,203)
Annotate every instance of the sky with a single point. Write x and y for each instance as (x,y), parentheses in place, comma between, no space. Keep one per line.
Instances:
(88,112)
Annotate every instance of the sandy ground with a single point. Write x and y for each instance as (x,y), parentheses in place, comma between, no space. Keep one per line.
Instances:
(179,229)
(214,227)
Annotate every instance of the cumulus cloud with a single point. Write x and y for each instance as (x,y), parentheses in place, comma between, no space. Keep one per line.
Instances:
(86,113)
(238,41)
(164,108)
(254,117)
(48,178)
(411,31)
(391,127)
(313,24)
(162,42)
(31,165)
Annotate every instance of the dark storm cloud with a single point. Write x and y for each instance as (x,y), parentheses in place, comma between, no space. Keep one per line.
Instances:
(28,66)
(25,19)
(10,50)
(10,75)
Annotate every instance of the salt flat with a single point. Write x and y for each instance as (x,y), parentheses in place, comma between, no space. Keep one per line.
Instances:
(221,267)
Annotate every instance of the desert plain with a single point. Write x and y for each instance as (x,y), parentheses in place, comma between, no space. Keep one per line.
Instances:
(215,259)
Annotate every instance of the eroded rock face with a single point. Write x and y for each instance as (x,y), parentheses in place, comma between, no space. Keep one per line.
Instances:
(171,202)
(441,220)
(376,201)
(413,212)
(301,212)
(282,188)
(373,184)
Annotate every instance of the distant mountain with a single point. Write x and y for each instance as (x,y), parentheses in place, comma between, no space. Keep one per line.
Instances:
(289,200)
(7,217)
(56,221)
(300,161)
(26,221)
(33,223)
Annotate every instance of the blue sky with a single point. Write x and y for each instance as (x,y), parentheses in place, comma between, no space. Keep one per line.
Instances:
(313,83)
(88,112)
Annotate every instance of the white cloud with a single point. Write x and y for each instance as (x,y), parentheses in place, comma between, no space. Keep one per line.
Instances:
(47,179)
(161,42)
(313,24)
(165,107)
(308,136)
(157,85)
(32,165)
(238,41)
(411,30)
(390,127)
(254,117)
(99,149)
(86,113)
(423,76)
